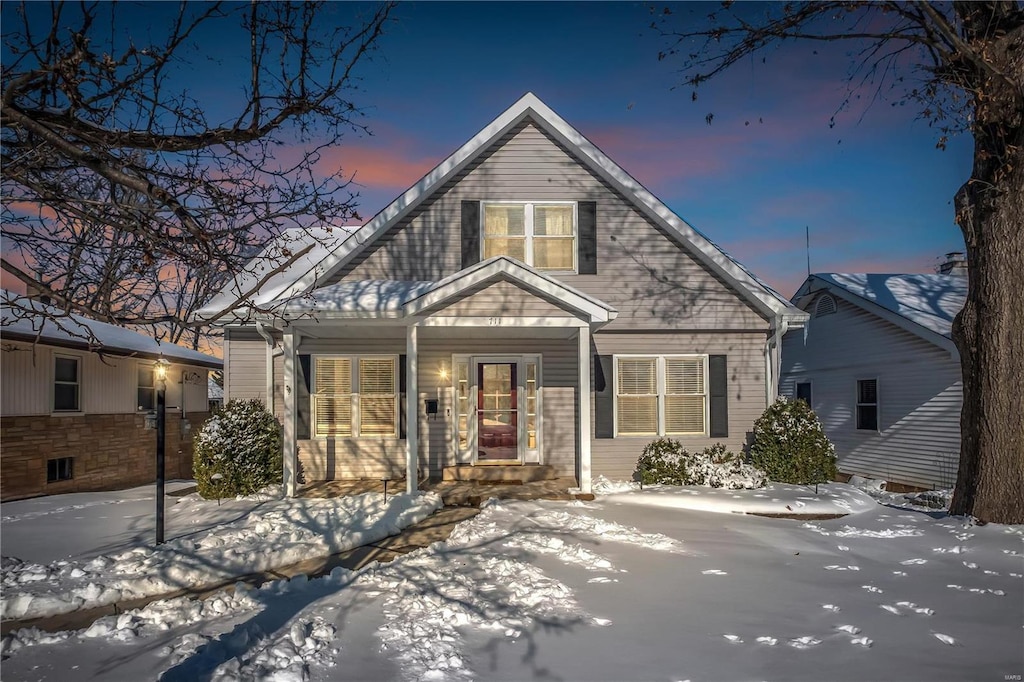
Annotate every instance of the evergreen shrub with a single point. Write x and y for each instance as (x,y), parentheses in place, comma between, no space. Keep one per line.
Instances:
(790,445)
(237,451)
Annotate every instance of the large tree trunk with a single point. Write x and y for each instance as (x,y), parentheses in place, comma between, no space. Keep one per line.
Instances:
(989,332)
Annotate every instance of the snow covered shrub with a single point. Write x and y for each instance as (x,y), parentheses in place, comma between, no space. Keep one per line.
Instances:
(790,445)
(238,451)
(665,461)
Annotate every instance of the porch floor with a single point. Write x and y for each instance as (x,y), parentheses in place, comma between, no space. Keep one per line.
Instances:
(453,493)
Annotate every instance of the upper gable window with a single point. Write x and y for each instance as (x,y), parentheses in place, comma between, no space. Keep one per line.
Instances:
(542,235)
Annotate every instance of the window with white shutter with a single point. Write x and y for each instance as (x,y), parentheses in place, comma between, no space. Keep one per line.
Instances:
(663,395)
(637,396)
(377,397)
(332,398)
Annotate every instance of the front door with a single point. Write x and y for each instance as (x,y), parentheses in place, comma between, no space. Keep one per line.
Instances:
(497,412)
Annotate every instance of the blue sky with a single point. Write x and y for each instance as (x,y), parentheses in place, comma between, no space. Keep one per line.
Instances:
(873,190)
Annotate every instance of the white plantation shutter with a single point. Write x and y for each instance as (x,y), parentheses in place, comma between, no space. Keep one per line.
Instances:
(377,397)
(332,401)
(637,396)
(684,395)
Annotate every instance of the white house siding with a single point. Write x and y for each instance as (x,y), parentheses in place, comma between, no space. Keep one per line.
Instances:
(650,278)
(109,384)
(501,298)
(616,457)
(919,390)
(245,365)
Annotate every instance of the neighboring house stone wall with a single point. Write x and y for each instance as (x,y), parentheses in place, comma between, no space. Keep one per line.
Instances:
(109,451)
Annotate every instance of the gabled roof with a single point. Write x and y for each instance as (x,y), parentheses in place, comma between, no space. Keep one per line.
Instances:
(392,298)
(764,299)
(34,321)
(924,305)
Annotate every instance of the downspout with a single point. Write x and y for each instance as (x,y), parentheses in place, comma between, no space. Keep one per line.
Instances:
(272,352)
(772,360)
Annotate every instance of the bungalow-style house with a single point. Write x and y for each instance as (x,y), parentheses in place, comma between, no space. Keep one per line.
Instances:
(878,366)
(75,398)
(527,302)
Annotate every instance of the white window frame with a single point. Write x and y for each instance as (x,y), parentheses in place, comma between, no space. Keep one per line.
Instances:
(857,404)
(661,392)
(80,363)
(355,394)
(528,216)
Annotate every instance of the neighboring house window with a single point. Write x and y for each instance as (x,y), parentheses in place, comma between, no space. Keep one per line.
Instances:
(663,395)
(147,388)
(867,404)
(59,469)
(826,305)
(355,396)
(803,392)
(542,235)
(66,384)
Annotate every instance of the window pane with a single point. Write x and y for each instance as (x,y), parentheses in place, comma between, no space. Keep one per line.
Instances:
(511,247)
(803,392)
(376,416)
(553,254)
(638,376)
(65,397)
(377,375)
(638,415)
(333,415)
(552,220)
(684,376)
(65,369)
(867,417)
(684,414)
(147,398)
(867,391)
(333,375)
(504,220)
(146,377)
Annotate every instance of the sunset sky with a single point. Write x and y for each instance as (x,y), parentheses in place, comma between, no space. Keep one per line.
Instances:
(873,190)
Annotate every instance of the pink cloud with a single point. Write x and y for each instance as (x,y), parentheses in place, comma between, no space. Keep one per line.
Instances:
(376,166)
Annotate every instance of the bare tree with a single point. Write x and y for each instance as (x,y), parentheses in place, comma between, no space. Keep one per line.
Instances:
(966,72)
(125,198)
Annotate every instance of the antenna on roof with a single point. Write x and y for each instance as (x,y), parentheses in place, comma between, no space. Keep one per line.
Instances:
(807,232)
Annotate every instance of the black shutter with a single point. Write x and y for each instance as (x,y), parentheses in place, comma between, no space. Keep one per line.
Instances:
(402,359)
(604,397)
(470,233)
(304,416)
(718,385)
(587,249)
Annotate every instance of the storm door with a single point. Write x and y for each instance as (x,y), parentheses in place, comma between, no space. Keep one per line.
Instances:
(497,412)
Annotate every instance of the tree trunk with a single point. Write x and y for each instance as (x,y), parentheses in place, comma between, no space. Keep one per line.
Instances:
(989,331)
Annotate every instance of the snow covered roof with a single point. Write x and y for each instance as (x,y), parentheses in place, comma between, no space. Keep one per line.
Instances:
(305,278)
(364,296)
(922,304)
(30,322)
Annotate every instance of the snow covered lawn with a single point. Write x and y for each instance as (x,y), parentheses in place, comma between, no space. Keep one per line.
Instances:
(210,543)
(600,591)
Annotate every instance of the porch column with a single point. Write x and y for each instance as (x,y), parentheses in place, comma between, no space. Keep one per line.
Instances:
(289,465)
(584,425)
(412,400)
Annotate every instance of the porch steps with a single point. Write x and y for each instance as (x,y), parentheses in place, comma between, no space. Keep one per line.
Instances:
(508,475)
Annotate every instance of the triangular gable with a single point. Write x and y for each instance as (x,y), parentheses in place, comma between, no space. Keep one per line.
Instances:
(762,297)
(818,283)
(502,268)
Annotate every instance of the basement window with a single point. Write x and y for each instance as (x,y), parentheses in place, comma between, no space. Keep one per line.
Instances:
(59,469)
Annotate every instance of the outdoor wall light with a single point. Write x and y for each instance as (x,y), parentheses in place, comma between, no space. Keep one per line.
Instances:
(443,372)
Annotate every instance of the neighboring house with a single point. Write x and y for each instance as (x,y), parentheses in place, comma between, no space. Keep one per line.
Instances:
(214,394)
(525,302)
(878,366)
(72,418)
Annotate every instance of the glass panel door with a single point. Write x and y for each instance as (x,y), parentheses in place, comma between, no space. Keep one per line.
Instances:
(497,412)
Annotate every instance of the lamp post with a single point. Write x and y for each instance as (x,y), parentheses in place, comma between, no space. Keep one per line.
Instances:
(161,414)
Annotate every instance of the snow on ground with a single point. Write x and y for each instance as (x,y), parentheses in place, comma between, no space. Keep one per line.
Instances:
(775,498)
(600,591)
(266,532)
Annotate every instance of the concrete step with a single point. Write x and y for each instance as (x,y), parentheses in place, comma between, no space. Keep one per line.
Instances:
(506,474)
